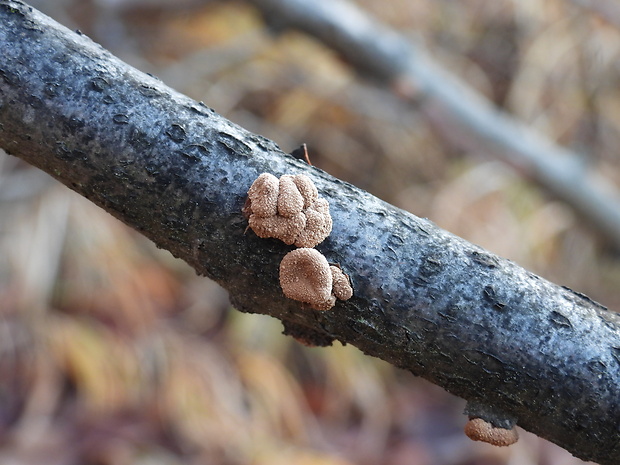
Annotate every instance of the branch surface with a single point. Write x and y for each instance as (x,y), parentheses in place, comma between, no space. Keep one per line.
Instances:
(457,111)
(424,300)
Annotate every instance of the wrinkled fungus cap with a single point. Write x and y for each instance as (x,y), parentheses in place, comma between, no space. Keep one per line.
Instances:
(263,195)
(288,209)
(341,287)
(305,276)
(318,224)
(290,200)
(307,189)
(478,429)
(279,227)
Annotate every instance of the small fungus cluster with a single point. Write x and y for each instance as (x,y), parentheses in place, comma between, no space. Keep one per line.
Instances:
(306,276)
(478,429)
(290,209)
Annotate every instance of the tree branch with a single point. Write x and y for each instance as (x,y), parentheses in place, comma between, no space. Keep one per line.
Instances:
(456,109)
(608,11)
(424,300)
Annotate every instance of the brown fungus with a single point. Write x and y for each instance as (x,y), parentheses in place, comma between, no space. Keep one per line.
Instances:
(306,276)
(280,227)
(318,224)
(263,195)
(288,209)
(478,429)
(290,200)
(341,286)
(307,189)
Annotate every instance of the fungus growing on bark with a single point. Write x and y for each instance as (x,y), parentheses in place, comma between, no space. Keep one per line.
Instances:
(263,194)
(478,429)
(288,209)
(341,287)
(306,276)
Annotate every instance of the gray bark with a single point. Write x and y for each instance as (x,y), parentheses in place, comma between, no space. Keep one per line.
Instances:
(424,300)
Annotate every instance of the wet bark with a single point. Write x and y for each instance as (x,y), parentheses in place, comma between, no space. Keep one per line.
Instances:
(424,300)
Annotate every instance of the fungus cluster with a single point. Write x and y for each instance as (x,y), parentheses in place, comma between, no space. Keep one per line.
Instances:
(478,429)
(306,276)
(288,209)
(291,210)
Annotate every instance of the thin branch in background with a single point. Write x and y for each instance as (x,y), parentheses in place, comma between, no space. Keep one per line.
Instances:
(376,50)
(606,10)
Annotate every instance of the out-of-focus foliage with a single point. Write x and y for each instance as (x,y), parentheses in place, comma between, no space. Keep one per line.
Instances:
(114,353)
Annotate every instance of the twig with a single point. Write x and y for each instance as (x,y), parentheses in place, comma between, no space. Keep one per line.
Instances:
(375,50)
(606,10)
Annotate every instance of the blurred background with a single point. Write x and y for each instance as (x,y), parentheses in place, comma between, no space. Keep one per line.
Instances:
(112,352)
